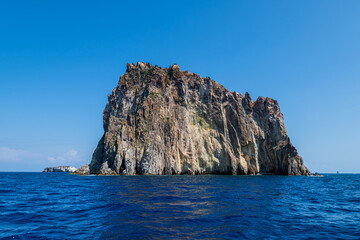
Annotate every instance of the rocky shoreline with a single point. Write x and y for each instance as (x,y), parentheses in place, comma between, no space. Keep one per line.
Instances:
(84,171)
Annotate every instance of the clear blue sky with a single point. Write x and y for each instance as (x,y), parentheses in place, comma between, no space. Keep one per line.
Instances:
(60,59)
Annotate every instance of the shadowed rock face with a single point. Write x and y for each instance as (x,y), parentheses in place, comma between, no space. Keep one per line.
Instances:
(164,121)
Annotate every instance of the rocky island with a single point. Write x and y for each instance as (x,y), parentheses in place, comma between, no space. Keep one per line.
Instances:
(69,169)
(167,121)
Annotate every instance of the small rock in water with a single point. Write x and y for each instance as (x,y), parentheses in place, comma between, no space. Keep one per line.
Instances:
(317,174)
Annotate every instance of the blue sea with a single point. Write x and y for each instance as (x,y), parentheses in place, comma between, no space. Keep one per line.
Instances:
(64,206)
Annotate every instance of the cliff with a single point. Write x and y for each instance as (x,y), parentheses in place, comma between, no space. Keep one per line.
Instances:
(165,121)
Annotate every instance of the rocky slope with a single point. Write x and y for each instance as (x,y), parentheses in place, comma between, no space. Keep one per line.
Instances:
(60,169)
(165,121)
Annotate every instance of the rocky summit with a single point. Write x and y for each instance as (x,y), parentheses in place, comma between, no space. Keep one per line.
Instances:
(167,121)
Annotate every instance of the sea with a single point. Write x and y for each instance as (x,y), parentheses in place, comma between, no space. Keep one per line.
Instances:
(65,206)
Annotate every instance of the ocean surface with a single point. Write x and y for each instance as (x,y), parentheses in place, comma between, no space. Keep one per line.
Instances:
(64,206)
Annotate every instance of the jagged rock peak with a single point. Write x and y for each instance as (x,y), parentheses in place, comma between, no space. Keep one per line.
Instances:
(142,66)
(165,121)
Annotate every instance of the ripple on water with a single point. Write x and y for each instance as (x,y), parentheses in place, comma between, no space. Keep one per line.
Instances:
(58,206)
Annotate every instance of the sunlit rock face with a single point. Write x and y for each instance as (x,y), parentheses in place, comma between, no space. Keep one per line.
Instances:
(165,121)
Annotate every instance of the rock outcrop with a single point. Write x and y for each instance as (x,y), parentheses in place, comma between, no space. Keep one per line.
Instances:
(69,169)
(83,170)
(165,121)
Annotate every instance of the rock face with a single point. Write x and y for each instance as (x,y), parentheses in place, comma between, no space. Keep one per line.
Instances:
(60,169)
(165,121)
